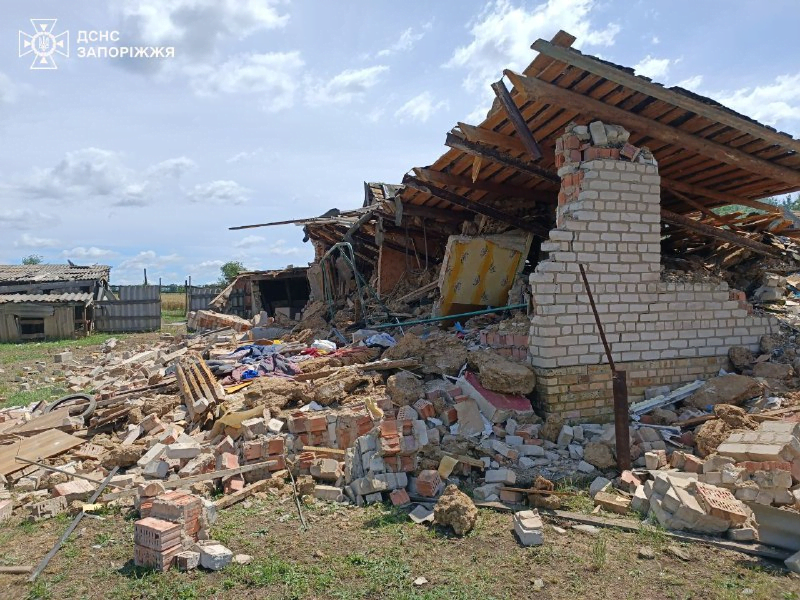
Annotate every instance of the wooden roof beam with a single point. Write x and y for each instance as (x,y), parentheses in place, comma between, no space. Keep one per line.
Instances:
(475,207)
(517,120)
(722,198)
(473,149)
(503,189)
(713,113)
(535,89)
(717,233)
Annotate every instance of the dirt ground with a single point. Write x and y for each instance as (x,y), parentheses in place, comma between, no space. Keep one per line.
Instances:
(374,552)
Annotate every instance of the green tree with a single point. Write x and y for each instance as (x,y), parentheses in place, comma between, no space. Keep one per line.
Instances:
(230,270)
(33,259)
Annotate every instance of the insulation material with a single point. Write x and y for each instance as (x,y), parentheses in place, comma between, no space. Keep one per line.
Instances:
(479,271)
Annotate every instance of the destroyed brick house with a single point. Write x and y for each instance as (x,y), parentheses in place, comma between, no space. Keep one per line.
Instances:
(49,301)
(582,162)
(556,298)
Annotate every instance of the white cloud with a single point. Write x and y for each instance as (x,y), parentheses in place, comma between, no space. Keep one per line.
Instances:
(23,218)
(654,40)
(249,241)
(420,108)
(148,259)
(272,77)
(244,156)
(29,241)
(91,253)
(8,90)
(651,67)
(98,173)
(346,87)
(172,168)
(503,33)
(691,83)
(195,27)
(405,43)
(219,192)
(279,247)
(375,115)
(768,103)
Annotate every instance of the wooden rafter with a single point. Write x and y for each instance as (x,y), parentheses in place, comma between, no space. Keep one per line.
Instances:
(517,120)
(500,188)
(453,141)
(535,89)
(720,234)
(475,207)
(713,113)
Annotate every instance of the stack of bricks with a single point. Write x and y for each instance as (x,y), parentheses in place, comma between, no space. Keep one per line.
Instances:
(265,448)
(329,429)
(610,222)
(510,345)
(173,520)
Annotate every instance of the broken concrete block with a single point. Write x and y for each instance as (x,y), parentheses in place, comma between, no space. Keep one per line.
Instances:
(529,527)
(530,450)
(585,467)
(252,428)
(62,357)
(155,451)
(187,560)
(215,556)
(6,508)
(599,484)
(564,437)
(329,493)
(793,562)
(457,510)
(506,476)
(612,502)
(420,515)
(597,131)
(275,425)
(639,501)
(156,469)
(181,451)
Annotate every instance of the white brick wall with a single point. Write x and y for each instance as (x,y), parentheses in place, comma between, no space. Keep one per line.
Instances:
(614,229)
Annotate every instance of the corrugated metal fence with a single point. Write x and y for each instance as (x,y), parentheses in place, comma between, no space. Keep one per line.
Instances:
(138,309)
(199,297)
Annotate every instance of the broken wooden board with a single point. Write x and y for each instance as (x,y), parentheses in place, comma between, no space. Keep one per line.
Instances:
(42,445)
(231,499)
(754,549)
(43,422)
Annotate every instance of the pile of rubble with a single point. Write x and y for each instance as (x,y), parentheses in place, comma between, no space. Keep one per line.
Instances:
(406,421)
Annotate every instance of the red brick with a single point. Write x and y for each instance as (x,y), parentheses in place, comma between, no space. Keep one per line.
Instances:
(692,464)
(316,423)
(152,559)
(156,534)
(252,450)
(226,460)
(275,446)
(428,482)
(399,497)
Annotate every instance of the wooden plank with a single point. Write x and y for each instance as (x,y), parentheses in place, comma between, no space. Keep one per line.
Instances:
(721,234)
(719,197)
(321,450)
(713,113)
(501,188)
(16,570)
(231,499)
(475,207)
(535,89)
(473,149)
(42,445)
(178,483)
(753,549)
(43,422)
(516,118)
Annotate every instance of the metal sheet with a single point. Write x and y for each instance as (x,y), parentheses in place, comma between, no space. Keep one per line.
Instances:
(138,309)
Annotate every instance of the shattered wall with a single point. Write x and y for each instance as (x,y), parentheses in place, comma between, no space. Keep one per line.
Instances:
(661,333)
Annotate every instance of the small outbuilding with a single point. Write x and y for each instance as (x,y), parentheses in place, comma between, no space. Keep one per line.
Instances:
(40,302)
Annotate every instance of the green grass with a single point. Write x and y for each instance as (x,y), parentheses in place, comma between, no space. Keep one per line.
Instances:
(24,354)
(173,315)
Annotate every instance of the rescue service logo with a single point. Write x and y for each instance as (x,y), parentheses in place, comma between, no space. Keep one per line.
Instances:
(44,44)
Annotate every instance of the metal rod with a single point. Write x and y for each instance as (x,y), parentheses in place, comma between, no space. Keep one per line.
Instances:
(43,564)
(597,317)
(57,470)
(451,317)
(619,384)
